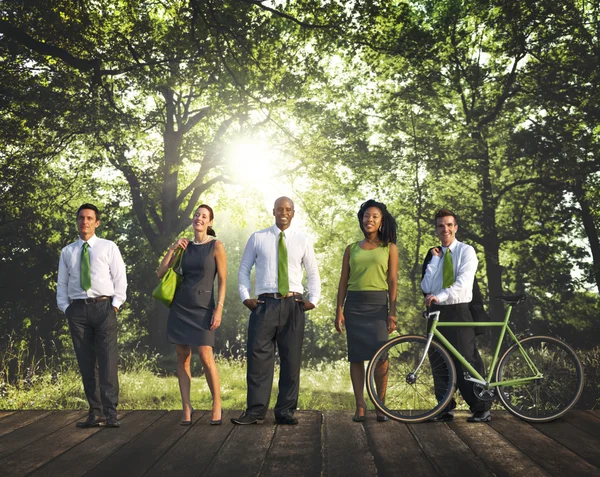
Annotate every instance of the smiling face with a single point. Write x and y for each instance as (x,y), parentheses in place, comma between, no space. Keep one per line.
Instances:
(87,223)
(372,220)
(202,220)
(445,229)
(283,212)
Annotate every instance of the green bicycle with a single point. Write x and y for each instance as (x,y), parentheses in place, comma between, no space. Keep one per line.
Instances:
(538,378)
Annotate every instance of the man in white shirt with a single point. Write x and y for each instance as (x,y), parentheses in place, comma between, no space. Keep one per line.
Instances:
(453,302)
(278,314)
(90,289)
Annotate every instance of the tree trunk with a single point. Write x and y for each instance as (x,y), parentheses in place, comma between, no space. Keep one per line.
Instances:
(590,228)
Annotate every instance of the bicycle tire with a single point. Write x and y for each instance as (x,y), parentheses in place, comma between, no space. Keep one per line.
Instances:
(544,399)
(407,401)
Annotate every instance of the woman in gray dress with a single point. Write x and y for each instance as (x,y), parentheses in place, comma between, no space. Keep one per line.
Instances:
(194,315)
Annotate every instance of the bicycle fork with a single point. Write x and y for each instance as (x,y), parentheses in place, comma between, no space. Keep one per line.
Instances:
(435,316)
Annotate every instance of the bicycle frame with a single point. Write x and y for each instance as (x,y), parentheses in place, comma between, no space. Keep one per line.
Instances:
(474,375)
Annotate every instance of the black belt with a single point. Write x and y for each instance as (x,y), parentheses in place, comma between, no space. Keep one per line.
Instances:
(89,301)
(278,296)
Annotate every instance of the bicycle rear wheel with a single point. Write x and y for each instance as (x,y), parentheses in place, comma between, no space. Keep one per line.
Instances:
(410,397)
(552,395)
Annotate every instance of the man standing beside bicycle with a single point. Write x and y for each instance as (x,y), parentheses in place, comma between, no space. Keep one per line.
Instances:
(448,287)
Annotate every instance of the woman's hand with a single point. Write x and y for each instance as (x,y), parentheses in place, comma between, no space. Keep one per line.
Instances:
(340,322)
(391,324)
(216,317)
(180,243)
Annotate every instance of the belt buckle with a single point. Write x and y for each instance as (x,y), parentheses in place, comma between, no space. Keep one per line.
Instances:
(89,301)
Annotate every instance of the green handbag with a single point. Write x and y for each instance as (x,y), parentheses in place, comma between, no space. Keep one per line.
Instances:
(165,290)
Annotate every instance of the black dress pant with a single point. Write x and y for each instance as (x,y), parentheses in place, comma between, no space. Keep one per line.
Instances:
(281,322)
(94,332)
(463,339)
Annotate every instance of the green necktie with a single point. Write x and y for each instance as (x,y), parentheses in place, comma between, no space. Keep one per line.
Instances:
(85,278)
(283,283)
(447,270)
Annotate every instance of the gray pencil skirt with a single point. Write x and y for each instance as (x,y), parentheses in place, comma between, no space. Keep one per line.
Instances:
(365,314)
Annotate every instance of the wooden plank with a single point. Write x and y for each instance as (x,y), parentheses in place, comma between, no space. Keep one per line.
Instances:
(296,450)
(84,457)
(139,455)
(43,450)
(20,419)
(580,442)
(38,429)
(546,452)
(187,457)
(496,452)
(595,414)
(583,421)
(446,451)
(395,450)
(346,450)
(244,451)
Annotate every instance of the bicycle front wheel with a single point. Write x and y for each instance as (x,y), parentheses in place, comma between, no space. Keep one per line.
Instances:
(410,396)
(554,392)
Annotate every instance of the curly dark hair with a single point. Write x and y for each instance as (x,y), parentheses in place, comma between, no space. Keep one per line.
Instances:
(387,231)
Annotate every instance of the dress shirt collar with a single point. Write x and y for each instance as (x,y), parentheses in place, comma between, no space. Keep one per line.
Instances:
(287,231)
(93,239)
(452,246)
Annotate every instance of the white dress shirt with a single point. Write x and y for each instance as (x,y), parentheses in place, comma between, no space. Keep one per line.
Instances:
(464,262)
(261,251)
(107,270)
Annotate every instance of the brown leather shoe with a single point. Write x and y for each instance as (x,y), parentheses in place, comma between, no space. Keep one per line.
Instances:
(92,421)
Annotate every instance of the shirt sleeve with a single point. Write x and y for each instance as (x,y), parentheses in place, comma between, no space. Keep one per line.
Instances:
(62,284)
(246,264)
(119,277)
(465,275)
(427,284)
(312,274)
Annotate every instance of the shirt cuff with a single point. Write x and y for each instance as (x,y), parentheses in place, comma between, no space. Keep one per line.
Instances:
(117,304)
(443,295)
(244,295)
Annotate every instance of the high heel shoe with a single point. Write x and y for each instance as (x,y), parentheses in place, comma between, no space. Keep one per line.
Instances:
(357,417)
(187,423)
(217,422)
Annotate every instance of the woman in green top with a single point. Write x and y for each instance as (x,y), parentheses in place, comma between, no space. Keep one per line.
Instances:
(366,302)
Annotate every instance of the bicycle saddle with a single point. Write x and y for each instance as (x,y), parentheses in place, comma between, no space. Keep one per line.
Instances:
(511,299)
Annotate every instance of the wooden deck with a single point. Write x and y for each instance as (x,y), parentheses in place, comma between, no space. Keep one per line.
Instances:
(152,443)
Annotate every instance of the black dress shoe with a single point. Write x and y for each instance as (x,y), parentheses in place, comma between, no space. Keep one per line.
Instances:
(287,420)
(382,418)
(444,416)
(245,419)
(92,421)
(480,416)
(112,422)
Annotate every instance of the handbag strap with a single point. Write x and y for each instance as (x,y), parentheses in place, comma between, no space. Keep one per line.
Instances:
(177,263)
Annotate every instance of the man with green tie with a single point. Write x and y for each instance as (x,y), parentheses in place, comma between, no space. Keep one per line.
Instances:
(278,313)
(448,287)
(90,289)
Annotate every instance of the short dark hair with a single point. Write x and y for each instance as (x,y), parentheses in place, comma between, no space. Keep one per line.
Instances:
(387,233)
(445,213)
(89,207)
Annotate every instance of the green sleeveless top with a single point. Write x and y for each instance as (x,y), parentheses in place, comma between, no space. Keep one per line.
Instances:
(368,268)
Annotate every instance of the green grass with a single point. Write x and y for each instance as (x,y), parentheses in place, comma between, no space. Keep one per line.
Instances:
(327,386)
(322,387)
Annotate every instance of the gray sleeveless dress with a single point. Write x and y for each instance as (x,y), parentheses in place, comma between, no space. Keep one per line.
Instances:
(192,307)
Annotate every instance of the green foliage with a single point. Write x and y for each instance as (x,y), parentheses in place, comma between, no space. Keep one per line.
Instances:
(487,108)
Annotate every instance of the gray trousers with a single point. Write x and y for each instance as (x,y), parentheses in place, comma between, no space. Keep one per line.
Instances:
(275,322)
(94,333)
